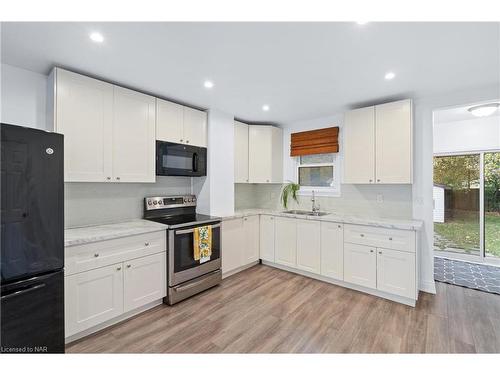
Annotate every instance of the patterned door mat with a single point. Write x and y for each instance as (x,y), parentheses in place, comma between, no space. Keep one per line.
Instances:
(469,275)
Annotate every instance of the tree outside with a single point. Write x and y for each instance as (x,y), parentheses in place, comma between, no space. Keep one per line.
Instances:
(461,231)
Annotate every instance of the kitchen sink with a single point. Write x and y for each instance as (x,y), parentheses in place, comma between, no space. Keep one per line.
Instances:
(306,213)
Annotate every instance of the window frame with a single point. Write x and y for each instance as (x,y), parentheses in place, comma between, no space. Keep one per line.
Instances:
(330,191)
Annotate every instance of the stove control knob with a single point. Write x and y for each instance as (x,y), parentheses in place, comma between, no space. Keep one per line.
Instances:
(154,202)
(160,202)
(149,202)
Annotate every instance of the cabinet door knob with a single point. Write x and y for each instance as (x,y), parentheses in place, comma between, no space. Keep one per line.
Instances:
(146,244)
(390,238)
(128,266)
(267,180)
(108,178)
(96,255)
(118,178)
(272,218)
(181,140)
(187,140)
(245,219)
(378,180)
(380,252)
(371,181)
(119,269)
(361,235)
(371,251)
(340,226)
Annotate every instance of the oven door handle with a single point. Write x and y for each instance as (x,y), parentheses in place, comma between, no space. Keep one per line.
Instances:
(188,285)
(186,231)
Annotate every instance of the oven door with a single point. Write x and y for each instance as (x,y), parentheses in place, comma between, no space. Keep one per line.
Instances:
(173,159)
(181,264)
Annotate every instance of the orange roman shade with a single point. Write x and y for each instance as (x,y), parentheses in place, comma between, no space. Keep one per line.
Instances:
(320,141)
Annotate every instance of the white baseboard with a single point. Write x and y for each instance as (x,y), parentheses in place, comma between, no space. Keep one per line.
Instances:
(113,321)
(377,293)
(427,286)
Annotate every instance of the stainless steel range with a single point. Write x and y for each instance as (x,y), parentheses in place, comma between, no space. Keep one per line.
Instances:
(185,275)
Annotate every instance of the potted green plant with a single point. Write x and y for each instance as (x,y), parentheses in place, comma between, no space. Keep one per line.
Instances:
(289,190)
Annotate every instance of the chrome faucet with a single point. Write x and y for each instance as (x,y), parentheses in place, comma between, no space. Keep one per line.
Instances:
(315,208)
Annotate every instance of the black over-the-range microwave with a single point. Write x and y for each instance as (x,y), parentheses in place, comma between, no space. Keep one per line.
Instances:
(174,159)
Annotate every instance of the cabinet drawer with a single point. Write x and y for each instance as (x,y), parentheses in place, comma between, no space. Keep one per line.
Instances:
(394,239)
(99,254)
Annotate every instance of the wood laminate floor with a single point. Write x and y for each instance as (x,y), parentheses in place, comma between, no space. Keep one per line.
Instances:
(266,310)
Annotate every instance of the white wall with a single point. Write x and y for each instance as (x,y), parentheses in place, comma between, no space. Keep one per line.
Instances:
(480,134)
(216,191)
(23,96)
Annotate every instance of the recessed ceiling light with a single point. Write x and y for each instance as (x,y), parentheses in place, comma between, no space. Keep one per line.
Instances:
(265,108)
(389,75)
(361,22)
(208,84)
(96,37)
(484,110)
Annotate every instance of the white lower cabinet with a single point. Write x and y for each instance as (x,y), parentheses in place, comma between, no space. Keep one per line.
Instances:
(144,281)
(360,265)
(232,242)
(309,245)
(332,250)
(267,238)
(240,242)
(93,297)
(396,272)
(285,241)
(127,273)
(251,239)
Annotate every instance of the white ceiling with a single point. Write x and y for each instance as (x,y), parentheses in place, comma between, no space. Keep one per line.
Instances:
(462,113)
(302,70)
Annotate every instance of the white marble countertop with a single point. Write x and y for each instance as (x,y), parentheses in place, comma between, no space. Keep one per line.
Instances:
(391,223)
(88,234)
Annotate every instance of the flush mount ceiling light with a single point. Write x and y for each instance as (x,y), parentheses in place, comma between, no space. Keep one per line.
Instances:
(389,75)
(265,108)
(208,84)
(96,37)
(484,110)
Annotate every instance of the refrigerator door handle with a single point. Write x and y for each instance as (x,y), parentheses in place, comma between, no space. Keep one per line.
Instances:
(22,291)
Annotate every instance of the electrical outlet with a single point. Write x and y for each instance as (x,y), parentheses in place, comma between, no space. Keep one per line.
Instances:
(380,198)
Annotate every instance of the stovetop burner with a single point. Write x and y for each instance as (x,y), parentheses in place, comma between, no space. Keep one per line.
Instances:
(176,221)
(175,211)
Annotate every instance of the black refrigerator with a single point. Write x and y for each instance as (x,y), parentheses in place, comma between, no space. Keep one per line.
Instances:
(32,241)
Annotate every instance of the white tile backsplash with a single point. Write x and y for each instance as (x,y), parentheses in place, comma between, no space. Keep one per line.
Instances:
(88,203)
(391,201)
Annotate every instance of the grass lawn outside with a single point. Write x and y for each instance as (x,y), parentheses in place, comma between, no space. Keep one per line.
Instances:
(462,233)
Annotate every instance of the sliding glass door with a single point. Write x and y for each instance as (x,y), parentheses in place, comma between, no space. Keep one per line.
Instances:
(492,204)
(456,197)
(467,205)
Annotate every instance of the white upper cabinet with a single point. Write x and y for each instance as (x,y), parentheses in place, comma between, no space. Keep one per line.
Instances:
(309,245)
(195,127)
(180,124)
(240,152)
(84,114)
(133,136)
(169,121)
(359,146)
(378,144)
(393,143)
(265,154)
(109,131)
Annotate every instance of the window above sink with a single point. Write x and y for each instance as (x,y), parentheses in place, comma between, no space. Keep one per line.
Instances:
(318,172)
